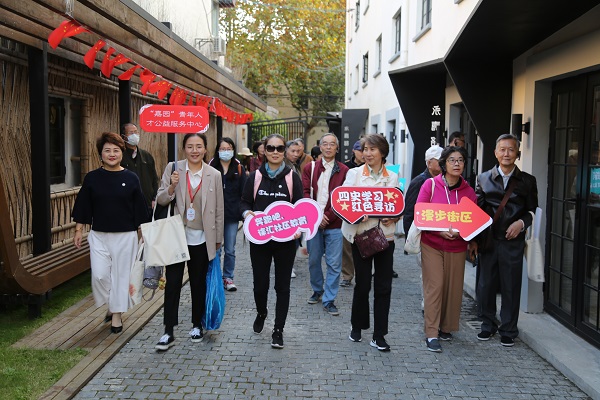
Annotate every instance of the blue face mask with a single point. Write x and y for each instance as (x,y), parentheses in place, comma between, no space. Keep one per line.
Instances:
(226,155)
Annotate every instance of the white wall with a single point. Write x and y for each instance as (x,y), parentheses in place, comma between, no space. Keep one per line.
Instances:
(377,95)
(190,19)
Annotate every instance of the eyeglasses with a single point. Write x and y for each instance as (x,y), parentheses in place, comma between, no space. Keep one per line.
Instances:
(270,148)
(454,161)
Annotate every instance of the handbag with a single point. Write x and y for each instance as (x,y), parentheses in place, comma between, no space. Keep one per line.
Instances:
(152,280)
(413,240)
(215,296)
(164,241)
(136,276)
(371,241)
(412,244)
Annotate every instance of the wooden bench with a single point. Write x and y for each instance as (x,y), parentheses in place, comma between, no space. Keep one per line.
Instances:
(31,281)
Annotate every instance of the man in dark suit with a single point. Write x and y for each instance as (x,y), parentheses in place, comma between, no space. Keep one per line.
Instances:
(501,252)
(140,162)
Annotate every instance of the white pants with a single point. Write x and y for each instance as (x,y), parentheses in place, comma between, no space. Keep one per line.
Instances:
(112,255)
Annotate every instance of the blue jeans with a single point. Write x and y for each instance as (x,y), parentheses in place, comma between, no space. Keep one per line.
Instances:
(328,242)
(230,230)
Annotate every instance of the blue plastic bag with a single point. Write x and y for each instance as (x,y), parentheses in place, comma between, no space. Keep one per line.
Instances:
(215,296)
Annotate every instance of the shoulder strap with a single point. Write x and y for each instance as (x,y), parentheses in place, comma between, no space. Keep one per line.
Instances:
(289,180)
(239,169)
(312,171)
(509,190)
(432,189)
(257,180)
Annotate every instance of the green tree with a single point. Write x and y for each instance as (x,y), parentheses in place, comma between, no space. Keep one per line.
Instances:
(290,47)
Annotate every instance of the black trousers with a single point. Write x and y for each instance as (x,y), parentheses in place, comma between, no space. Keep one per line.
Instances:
(261,255)
(501,268)
(382,290)
(197,270)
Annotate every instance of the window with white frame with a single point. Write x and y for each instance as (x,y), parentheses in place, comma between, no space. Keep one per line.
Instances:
(357,20)
(425,13)
(365,76)
(397,31)
(356,75)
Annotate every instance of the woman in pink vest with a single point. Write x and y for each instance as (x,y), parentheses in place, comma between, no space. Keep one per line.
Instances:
(443,253)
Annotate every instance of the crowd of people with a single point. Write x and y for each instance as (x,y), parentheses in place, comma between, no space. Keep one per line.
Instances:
(213,197)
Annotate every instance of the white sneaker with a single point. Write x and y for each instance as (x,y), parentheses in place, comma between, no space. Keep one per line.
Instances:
(196,335)
(229,285)
(165,342)
(293,273)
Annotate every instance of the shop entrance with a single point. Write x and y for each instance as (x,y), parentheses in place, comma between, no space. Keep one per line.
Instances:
(573,236)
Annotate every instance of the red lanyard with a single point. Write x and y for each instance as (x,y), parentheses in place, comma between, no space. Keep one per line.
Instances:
(189,186)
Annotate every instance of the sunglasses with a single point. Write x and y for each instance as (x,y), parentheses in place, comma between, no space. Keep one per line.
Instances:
(270,148)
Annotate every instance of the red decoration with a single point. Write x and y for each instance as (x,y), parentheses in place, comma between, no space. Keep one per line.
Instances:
(106,68)
(125,76)
(353,203)
(162,87)
(178,96)
(90,56)
(465,217)
(174,119)
(147,77)
(65,29)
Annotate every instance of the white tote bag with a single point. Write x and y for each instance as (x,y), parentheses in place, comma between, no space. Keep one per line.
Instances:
(413,236)
(164,241)
(413,240)
(533,249)
(136,277)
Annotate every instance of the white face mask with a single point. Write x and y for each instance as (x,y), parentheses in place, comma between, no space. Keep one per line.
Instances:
(133,139)
(226,155)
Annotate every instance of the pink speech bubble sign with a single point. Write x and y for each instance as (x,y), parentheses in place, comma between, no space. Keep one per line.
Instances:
(282,220)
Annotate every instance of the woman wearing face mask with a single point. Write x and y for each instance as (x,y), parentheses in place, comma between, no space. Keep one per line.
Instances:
(233,175)
(197,190)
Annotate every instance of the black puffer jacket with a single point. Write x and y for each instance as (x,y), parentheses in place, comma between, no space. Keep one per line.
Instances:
(521,205)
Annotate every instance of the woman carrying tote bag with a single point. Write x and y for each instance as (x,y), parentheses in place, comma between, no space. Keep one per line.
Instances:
(197,190)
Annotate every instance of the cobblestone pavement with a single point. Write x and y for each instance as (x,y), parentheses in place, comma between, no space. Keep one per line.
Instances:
(318,360)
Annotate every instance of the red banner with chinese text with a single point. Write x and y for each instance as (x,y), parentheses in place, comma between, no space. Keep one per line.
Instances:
(465,217)
(174,118)
(352,203)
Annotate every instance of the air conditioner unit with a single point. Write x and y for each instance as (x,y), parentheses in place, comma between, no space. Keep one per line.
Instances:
(218,45)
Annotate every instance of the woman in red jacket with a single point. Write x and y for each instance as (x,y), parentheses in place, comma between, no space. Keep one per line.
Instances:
(443,253)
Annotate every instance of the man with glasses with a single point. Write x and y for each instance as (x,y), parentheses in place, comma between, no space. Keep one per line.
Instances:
(510,193)
(319,178)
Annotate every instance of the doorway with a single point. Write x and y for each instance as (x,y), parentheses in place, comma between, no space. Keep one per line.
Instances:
(573,235)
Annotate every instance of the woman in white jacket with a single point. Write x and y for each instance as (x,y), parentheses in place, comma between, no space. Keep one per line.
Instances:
(373,173)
